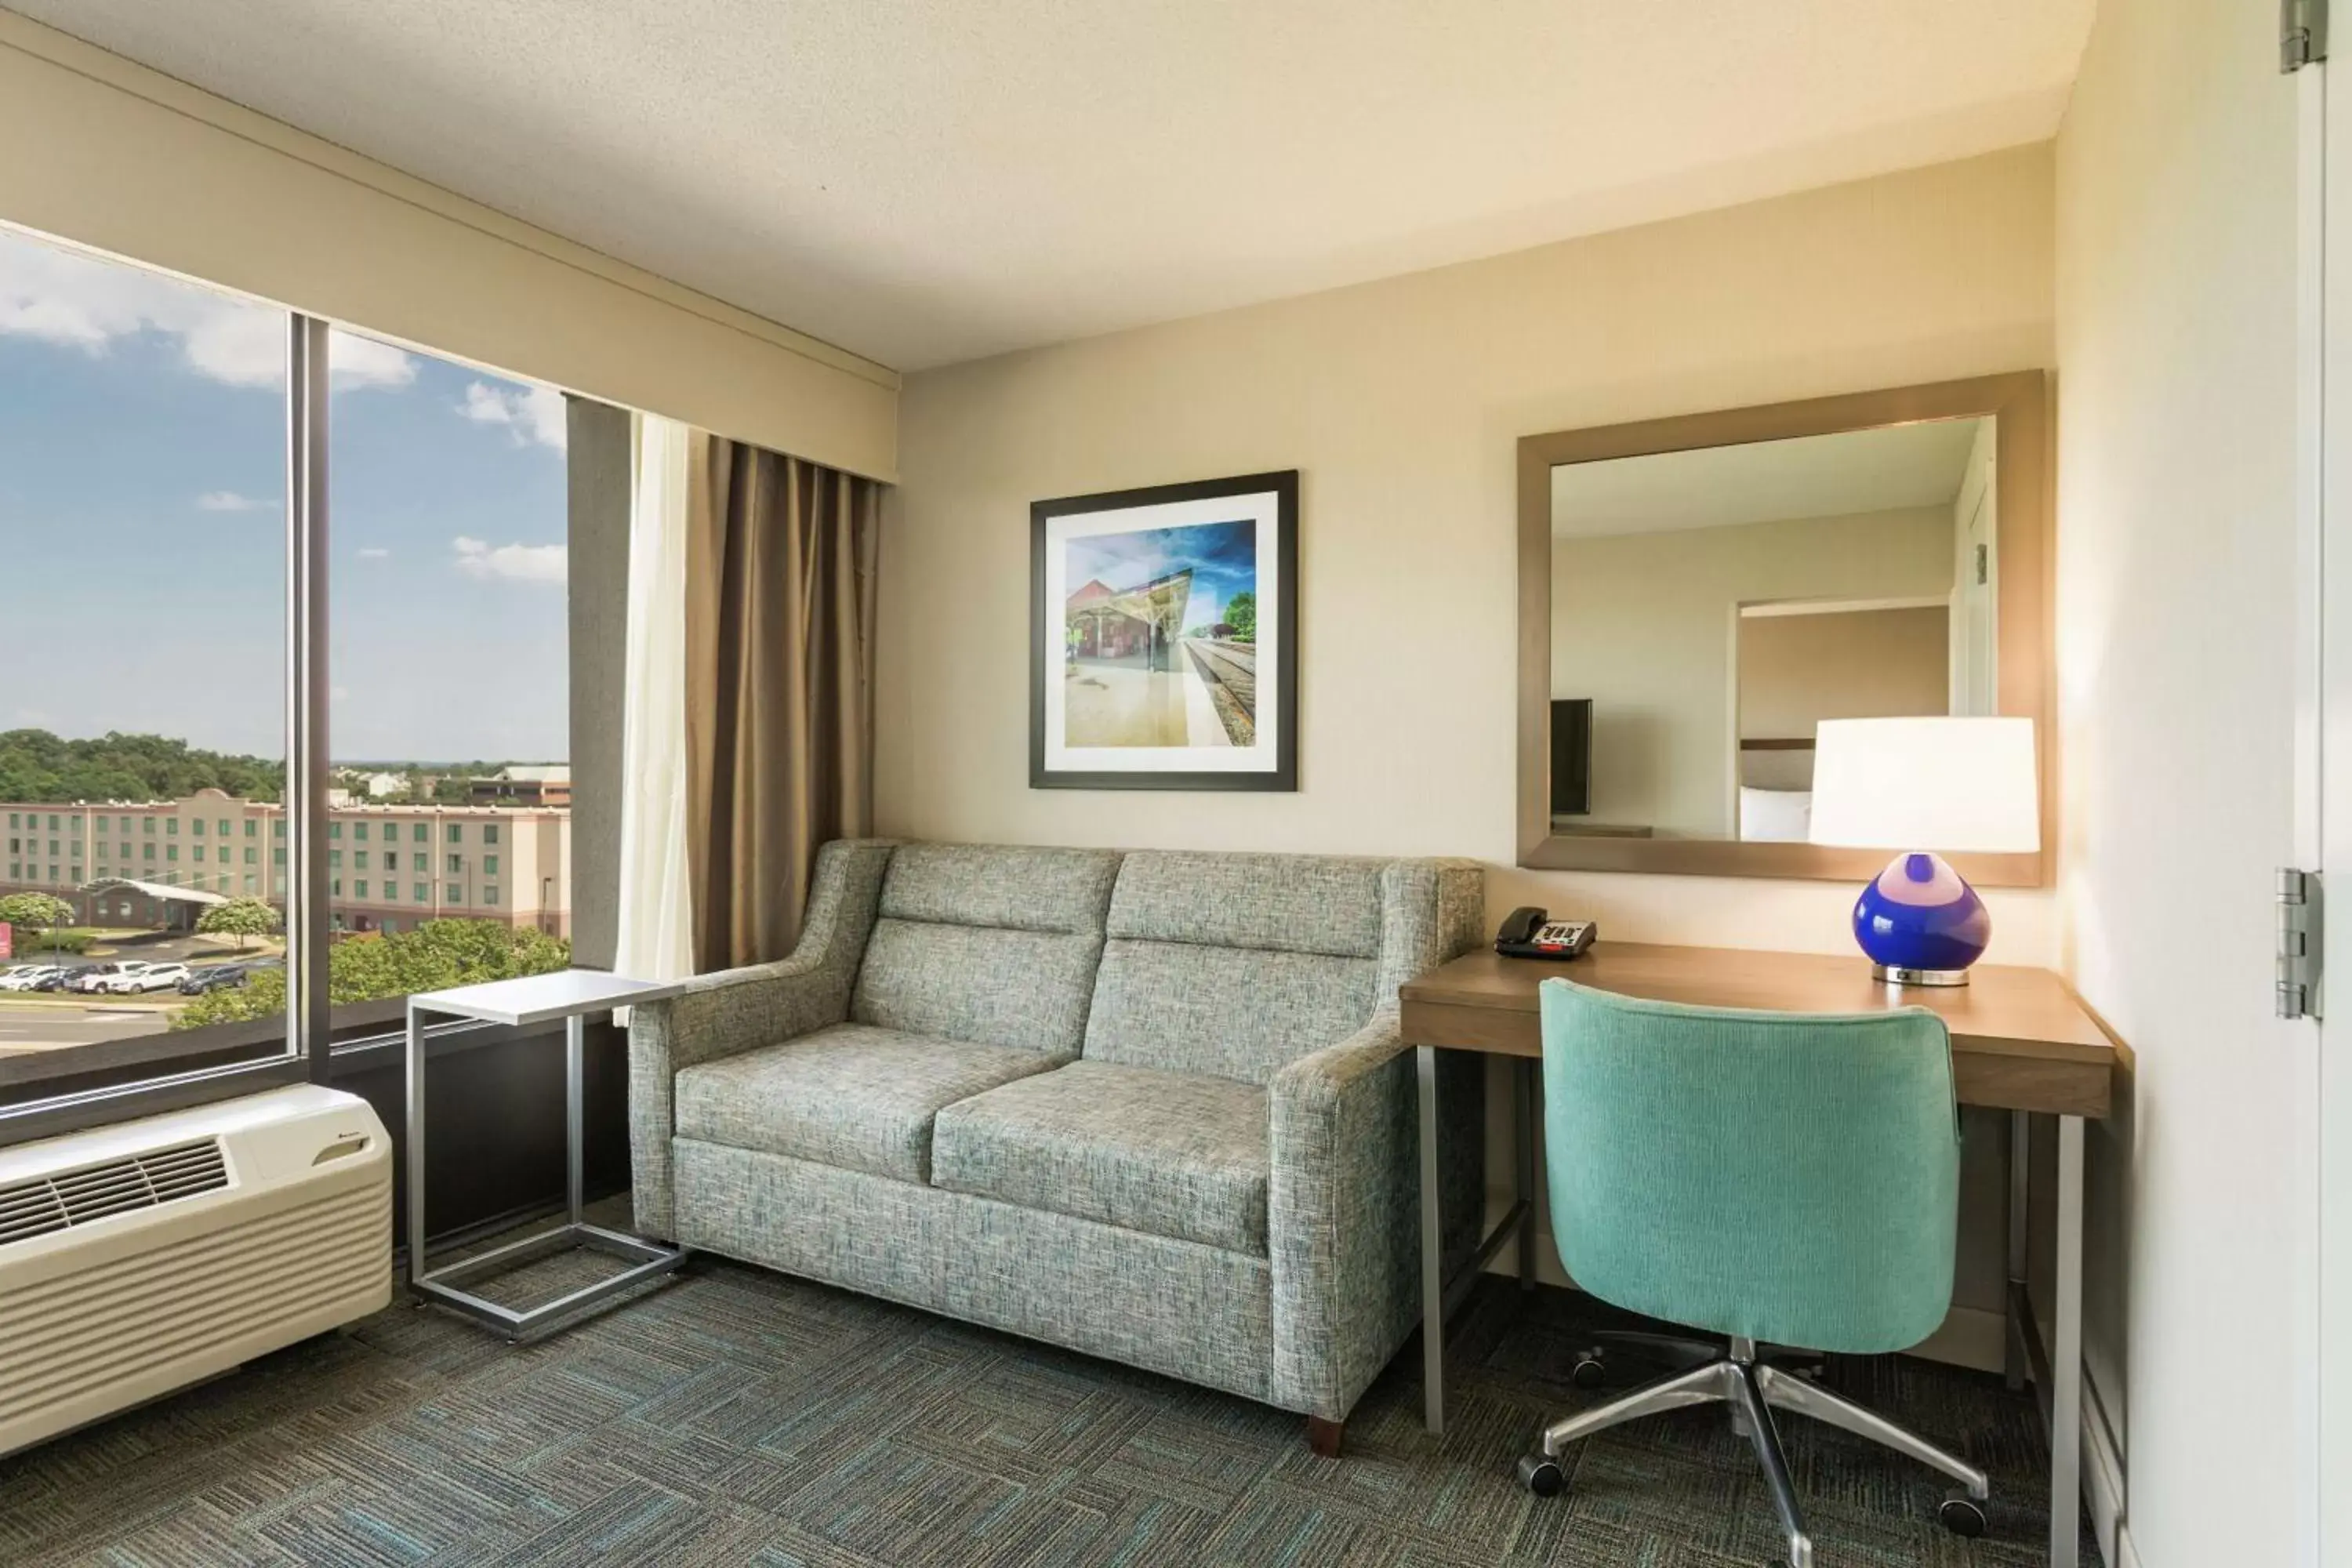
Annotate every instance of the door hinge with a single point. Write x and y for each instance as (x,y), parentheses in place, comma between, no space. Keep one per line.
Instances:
(2303,33)
(2298,943)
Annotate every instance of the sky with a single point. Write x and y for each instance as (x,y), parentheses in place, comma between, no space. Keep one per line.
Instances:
(142,527)
(1222,556)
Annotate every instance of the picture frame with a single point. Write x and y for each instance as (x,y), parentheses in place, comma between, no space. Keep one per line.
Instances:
(1163,637)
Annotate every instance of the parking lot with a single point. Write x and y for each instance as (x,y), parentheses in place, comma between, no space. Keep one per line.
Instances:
(47,1021)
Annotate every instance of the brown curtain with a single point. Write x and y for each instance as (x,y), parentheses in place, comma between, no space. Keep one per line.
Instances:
(779,687)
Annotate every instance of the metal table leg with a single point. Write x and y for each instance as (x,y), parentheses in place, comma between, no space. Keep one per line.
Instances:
(416,1136)
(2066,1354)
(1432,1253)
(2014,1355)
(1524,1082)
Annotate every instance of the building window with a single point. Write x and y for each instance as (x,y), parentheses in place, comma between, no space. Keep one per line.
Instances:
(249,881)
(249,827)
(489,895)
(250,857)
(359,831)
(147,826)
(456,865)
(489,865)
(170,852)
(334,856)
(359,889)
(335,888)
(147,852)
(420,865)
(334,830)
(457,832)
(279,828)
(223,828)
(423,893)
(172,827)
(422,833)
(490,833)
(276,856)
(197,828)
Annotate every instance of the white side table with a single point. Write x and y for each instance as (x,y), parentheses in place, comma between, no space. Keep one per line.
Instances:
(570,995)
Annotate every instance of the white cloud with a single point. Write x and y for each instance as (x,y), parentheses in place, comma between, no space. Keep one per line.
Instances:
(529,413)
(513,562)
(63,297)
(230,500)
(373,553)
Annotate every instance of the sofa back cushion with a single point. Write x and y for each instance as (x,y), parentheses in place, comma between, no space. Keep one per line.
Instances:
(1235,965)
(995,945)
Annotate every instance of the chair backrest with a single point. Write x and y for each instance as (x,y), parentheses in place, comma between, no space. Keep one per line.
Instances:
(993,944)
(1792,1178)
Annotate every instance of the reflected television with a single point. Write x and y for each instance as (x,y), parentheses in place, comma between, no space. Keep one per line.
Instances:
(1571,756)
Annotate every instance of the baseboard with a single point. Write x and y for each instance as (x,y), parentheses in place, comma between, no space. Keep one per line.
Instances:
(1972,1337)
(2102,1481)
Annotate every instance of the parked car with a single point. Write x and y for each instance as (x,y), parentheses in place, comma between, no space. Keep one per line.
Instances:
(26,976)
(219,977)
(62,978)
(101,977)
(139,977)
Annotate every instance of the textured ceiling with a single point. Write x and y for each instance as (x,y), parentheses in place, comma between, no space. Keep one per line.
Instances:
(1886,469)
(926,181)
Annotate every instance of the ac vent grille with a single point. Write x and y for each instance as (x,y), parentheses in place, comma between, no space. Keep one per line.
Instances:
(141,1182)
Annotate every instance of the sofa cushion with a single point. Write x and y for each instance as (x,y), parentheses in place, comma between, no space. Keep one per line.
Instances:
(1173,1155)
(994,945)
(850,1095)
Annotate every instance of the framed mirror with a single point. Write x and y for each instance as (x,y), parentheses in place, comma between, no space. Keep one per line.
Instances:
(1697,592)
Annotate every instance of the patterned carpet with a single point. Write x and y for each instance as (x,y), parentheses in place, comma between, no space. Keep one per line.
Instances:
(738,1417)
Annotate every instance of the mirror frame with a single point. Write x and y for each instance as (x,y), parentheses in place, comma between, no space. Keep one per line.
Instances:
(2020,404)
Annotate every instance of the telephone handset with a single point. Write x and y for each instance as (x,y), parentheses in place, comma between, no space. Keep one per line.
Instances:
(1529,933)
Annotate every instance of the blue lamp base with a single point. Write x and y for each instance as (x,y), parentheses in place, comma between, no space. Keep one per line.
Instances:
(1921,924)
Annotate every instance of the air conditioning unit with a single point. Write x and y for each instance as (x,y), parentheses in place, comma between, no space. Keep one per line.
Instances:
(140,1258)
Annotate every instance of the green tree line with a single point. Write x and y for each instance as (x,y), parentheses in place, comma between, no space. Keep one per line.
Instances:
(433,957)
(36,765)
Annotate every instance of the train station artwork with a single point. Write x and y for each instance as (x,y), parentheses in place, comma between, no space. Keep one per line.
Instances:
(1163,658)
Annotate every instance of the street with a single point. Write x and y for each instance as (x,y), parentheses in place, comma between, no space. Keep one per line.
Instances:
(45,1026)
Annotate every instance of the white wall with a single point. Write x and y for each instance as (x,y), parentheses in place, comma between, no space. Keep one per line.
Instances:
(2176,289)
(1643,624)
(1401,400)
(96,150)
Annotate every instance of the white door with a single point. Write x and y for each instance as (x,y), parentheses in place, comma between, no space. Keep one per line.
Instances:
(2322,1444)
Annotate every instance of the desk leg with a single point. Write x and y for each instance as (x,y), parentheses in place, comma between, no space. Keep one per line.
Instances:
(2021,1146)
(1433,1254)
(2066,1354)
(1523,1071)
(415,1139)
(576,1094)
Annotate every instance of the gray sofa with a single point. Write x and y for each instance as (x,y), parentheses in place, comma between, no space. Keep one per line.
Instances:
(1150,1105)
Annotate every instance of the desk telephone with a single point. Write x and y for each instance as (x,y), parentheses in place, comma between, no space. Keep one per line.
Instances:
(1531,933)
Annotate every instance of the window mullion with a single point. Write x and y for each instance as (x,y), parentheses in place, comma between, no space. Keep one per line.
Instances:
(306,939)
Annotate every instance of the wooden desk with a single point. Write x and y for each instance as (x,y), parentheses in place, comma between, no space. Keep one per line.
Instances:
(2021,1043)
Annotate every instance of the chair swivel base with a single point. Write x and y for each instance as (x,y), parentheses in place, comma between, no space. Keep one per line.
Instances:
(1754,1389)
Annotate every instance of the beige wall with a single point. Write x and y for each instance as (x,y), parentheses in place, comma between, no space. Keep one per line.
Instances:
(1400,402)
(109,154)
(1643,625)
(2176,286)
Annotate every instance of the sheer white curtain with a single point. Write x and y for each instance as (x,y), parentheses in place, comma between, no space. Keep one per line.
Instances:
(656,934)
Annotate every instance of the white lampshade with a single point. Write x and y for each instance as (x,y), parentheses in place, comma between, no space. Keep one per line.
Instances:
(1941,785)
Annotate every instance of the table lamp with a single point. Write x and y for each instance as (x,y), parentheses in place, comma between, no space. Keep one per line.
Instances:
(1924,785)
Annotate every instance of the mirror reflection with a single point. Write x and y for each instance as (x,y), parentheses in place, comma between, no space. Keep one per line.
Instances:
(1711,607)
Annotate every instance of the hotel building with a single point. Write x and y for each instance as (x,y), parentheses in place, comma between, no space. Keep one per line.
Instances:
(389,867)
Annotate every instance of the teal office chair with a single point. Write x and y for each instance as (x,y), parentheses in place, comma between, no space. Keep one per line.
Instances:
(1774,1178)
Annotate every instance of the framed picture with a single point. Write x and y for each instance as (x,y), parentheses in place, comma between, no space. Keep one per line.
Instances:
(1164,638)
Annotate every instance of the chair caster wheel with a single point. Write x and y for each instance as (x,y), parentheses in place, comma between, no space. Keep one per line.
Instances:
(1540,1473)
(1962,1517)
(1589,1372)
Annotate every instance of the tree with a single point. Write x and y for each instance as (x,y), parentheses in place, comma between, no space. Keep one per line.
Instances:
(1241,613)
(33,914)
(433,957)
(239,918)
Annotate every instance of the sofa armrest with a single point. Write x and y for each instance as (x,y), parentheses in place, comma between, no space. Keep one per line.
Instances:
(742,1009)
(1343,1226)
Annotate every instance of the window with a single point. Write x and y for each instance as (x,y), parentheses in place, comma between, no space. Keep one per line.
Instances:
(490,833)
(334,856)
(419,862)
(489,895)
(334,830)
(422,833)
(456,865)
(457,895)
(197,852)
(335,888)
(359,889)
(423,893)
(457,832)
(276,856)
(150,435)
(249,858)
(249,827)
(359,831)
(223,828)
(489,865)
